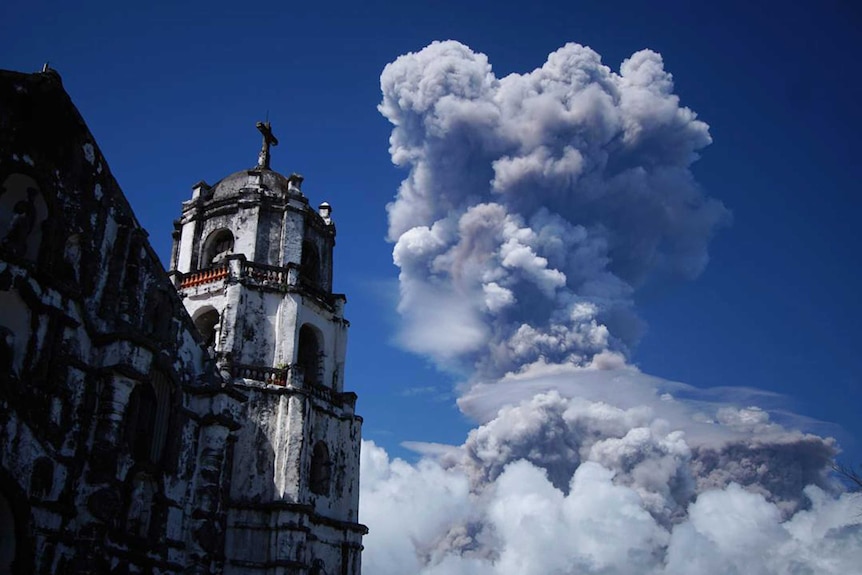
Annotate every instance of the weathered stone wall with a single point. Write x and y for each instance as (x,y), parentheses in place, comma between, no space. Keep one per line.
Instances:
(129,441)
(113,427)
(278,516)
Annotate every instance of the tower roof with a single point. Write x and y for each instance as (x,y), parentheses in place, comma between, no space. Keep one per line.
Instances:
(266,179)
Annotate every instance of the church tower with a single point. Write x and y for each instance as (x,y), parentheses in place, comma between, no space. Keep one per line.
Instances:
(252,261)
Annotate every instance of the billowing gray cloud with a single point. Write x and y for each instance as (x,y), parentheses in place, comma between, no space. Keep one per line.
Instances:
(425,519)
(536,204)
(534,207)
(572,485)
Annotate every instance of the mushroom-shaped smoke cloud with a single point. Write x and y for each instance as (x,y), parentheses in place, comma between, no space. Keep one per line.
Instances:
(536,204)
(534,207)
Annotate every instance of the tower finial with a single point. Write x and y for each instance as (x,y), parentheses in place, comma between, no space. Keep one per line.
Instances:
(268,140)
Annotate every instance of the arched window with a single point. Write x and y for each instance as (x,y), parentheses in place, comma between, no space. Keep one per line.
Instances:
(206,321)
(321,469)
(147,418)
(218,245)
(140,416)
(310,265)
(308,355)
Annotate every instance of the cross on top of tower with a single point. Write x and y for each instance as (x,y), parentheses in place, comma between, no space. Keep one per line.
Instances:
(268,140)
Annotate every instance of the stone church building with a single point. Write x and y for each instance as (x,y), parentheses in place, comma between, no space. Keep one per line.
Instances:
(190,421)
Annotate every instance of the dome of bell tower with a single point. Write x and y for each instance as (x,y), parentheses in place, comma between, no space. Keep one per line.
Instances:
(255,179)
(258,215)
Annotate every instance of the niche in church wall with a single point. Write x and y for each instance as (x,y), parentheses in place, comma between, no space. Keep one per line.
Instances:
(147,418)
(22,213)
(15,333)
(72,258)
(139,517)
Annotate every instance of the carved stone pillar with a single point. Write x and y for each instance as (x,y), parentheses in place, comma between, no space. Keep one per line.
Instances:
(110,416)
(206,525)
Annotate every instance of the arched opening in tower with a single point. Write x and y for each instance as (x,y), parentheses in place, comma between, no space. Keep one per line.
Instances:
(207,322)
(308,355)
(217,247)
(321,469)
(310,265)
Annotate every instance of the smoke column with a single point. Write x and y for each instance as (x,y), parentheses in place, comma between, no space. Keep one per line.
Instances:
(534,207)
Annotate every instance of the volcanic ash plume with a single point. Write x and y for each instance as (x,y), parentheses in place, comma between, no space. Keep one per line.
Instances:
(534,207)
(535,204)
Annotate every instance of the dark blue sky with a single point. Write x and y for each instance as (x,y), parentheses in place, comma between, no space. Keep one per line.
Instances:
(172,95)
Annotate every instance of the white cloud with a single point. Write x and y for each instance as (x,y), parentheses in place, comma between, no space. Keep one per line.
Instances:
(428,522)
(410,507)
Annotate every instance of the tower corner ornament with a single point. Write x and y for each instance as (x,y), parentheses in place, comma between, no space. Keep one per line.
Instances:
(268,140)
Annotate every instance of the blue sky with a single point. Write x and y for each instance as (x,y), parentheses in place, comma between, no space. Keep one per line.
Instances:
(172,95)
